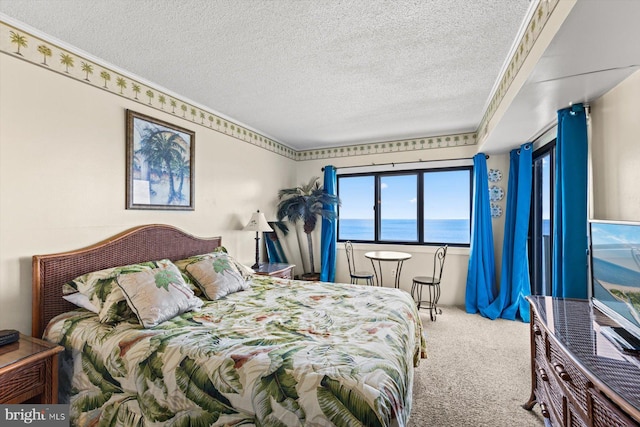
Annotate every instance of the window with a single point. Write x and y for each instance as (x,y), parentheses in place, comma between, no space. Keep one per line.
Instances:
(398,208)
(429,206)
(357,197)
(447,207)
(540,229)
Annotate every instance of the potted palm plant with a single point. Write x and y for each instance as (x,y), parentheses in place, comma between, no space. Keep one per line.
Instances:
(306,203)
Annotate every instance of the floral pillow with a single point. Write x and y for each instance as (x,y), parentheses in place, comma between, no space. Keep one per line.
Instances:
(217,276)
(101,289)
(182,264)
(158,294)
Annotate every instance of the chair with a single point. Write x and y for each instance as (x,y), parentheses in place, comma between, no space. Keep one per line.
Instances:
(356,275)
(432,283)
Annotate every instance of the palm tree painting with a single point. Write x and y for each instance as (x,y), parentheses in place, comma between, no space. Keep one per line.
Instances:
(159,164)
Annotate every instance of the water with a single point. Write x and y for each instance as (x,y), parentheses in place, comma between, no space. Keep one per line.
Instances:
(436,230)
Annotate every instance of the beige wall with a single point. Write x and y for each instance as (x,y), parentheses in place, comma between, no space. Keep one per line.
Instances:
(615,152)
(62,181)
(62,178)
(455,272)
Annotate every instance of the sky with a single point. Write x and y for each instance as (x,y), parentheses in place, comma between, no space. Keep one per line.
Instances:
(447,196)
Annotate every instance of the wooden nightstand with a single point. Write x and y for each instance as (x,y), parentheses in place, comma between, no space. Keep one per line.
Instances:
(29,370)
(284,271)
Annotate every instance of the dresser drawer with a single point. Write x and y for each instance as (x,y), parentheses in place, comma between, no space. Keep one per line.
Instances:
(569,376)
(285,274)
(542,394)
(557,399)
(281,270)
(539,340)
(28,380)
(574,418)
(540,351)
(605,413)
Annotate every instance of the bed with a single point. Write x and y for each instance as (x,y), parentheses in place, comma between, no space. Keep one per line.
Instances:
(277,353)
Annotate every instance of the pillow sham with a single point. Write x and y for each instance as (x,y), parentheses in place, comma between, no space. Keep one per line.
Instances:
(217,276)
(102,292)
(158,294)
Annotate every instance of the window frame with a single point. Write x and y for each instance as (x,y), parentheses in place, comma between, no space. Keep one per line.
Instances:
(377,219)
(535,222)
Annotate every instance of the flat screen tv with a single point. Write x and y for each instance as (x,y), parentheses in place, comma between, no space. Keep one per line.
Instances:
(615,273)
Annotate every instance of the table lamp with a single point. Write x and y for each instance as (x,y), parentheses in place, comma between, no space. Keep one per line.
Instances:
(257,223)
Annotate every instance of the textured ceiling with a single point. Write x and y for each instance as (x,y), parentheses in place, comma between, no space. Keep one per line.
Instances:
(309,74)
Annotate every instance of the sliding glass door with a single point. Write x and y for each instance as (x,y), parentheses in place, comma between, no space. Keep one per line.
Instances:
(541,224)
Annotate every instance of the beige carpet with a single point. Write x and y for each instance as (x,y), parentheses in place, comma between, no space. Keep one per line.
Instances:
(477,374)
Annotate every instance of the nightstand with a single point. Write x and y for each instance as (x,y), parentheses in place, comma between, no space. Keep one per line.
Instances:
(276,269)
(29,370)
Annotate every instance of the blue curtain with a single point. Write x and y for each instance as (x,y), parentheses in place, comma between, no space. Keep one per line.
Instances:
(481,274)
(329,231)
(514,278)
(570,205)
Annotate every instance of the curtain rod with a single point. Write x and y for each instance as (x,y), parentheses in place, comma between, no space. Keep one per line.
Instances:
(402,163)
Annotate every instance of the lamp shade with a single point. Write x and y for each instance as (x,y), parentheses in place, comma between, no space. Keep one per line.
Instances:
(257,223)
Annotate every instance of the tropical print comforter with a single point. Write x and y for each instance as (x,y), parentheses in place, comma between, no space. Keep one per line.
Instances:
(283,353)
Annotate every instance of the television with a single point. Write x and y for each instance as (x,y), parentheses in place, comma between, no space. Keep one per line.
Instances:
(615,277)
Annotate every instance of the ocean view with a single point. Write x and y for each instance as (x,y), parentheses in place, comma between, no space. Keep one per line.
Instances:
(436,230)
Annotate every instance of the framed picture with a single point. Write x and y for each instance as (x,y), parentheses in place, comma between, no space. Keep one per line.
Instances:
(160,164)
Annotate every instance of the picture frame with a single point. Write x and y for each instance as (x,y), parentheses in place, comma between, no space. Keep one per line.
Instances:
(160,164)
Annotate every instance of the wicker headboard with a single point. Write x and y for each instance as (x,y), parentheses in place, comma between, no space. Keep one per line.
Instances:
(139,244)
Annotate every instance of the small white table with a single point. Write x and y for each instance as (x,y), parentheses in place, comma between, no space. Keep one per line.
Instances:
(388,256)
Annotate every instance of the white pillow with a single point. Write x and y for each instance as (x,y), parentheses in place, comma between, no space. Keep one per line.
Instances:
(81,300)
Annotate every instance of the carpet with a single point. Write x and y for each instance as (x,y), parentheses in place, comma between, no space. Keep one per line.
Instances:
(477,373)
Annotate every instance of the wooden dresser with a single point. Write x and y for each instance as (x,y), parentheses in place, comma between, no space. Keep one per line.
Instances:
(577,376)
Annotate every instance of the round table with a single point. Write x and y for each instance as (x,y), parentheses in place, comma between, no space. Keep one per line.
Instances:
(387,256)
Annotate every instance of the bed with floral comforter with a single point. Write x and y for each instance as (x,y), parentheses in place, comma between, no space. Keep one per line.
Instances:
(282,353)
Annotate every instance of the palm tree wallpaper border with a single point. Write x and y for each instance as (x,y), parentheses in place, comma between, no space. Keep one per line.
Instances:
(160,164)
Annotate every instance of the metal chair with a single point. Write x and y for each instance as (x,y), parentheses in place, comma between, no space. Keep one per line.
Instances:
(355,274)
(433,284)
